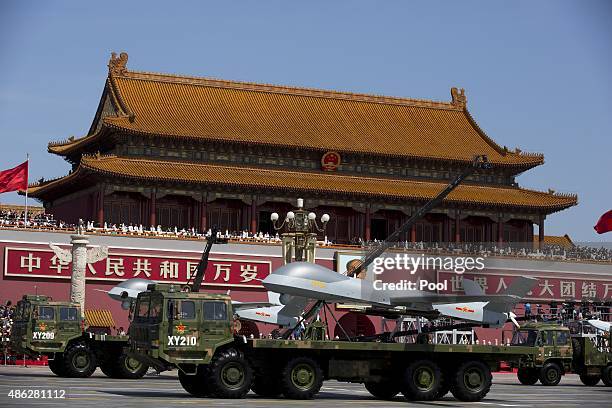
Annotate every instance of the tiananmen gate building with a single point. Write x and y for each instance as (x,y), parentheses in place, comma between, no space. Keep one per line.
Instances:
(195,152)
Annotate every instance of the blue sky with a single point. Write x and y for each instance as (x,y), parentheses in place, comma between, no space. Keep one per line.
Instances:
(538,75)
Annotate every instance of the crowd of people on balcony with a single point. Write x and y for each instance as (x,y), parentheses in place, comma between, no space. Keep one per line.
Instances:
(12,219)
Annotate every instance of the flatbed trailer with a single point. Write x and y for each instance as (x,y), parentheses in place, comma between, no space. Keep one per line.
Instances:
(195,333)
(43,327)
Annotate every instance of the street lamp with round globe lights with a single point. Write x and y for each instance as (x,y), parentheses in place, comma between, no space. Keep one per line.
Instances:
(300,235)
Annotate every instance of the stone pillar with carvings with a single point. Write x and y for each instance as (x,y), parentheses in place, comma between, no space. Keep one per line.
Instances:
(80,257)
(79,265)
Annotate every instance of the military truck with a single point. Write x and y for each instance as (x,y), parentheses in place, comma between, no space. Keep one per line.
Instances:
(55,329)
(559,351)
(195,333)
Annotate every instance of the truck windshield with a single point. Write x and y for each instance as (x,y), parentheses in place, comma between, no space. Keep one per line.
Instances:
(46,313)
(155,312)
(68,314)
(142,309)
(524,338)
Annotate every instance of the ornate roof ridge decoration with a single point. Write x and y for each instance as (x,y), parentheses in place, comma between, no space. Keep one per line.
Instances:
(252,177)
(458,97)
(117,66)
(285,89)
(66,141)
(65,146)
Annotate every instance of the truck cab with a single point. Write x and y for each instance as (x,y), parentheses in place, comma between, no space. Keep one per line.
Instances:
(42,325)
(174,328)
(552,353)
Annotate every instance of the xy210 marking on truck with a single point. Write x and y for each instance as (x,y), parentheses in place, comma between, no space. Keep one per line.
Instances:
(182,341)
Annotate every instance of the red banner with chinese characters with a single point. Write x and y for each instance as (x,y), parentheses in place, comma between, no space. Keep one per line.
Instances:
(547,288)
(119,266)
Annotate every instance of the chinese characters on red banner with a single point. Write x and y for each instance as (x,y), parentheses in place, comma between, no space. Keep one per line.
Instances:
(546,288)
(119,266)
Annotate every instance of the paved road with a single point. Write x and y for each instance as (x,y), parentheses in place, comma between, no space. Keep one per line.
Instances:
(165,391)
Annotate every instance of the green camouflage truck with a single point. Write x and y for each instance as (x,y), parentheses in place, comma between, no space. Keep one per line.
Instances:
(55,329)
(559,352)
(194,332)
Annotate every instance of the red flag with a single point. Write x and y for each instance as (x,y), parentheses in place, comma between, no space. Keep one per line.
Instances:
(14,179)
(605,223)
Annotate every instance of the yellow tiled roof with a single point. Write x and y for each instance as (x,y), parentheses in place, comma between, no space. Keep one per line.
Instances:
(202,108)
(99,318)
(156,170)
(561,240)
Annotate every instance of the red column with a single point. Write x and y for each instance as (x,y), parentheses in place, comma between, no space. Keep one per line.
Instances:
(413,233)
(500,231)
(101,206)
(367,224)
(253,217)
(152,220)
(203,214)
(457,227)
(541,232)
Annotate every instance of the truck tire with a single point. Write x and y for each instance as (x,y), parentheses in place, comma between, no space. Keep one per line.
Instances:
(128,367)
(229,375)
(267,386)
(606,375)
(56,365)
(527,376)
(422,381)
(589,380)
(472,381)
(384,390)
(194,384)
(550,374)
(301,378)
(79,361)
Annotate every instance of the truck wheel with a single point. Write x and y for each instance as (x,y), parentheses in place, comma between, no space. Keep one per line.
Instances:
(550,374)
(589,380)
(527,376)
(472,381)
(422,381)
(606,375)
(387,389)
(128,367)
(301,378)
(56,365)
(79,361)
(194,384)
(229,375)
(267,386)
